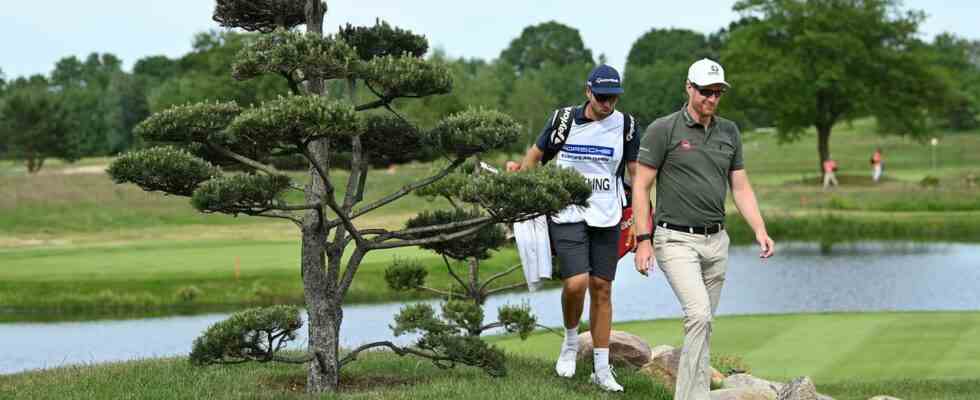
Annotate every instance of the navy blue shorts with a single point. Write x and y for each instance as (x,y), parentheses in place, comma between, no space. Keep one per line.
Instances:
(582,248)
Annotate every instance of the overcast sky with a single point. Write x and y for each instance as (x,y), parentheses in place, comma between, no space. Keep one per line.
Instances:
(35,34)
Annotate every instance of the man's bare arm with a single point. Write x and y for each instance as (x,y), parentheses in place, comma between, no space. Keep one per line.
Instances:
(747,205)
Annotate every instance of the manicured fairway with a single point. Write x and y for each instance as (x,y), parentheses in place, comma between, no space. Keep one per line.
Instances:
(830,348)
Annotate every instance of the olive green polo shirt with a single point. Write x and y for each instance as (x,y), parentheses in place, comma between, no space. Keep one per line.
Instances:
(693,165)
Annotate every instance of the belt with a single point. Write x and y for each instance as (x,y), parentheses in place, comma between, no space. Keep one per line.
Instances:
(699,230)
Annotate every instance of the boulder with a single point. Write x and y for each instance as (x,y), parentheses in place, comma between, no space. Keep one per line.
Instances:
(745,393)
(661,349)
(801,388)
(663,368)
(625,349)
(749,381)
(717,379)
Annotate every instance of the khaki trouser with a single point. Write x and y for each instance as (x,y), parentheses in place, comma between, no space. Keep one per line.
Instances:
(695,267)
(829,178)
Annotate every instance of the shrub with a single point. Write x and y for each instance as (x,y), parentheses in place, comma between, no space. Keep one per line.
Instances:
(187,294)
(929,182)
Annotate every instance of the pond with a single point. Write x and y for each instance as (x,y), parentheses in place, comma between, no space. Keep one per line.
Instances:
(802,278)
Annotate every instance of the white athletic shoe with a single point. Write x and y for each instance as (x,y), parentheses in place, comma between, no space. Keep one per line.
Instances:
(565,367)
(606,380)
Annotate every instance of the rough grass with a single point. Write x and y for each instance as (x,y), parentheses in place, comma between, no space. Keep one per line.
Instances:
(375,376)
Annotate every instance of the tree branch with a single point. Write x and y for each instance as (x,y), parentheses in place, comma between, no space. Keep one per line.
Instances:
(331,201)
(357,168)
(498,276)
(436,291)
(385,235)
(432,239)
(244,160)
(453,273)
(295,220)
(497,324)
(401,351)
(300,207)
(372,105)
(504,288)
(305,151)
(408,189)
(293,85)
(352,265)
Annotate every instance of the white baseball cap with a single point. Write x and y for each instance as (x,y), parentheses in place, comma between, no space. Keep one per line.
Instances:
(705,72)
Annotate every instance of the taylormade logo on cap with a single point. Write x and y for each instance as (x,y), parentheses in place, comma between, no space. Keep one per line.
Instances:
(705,72)
(604,80)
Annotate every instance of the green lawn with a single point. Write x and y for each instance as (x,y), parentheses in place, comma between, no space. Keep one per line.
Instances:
(58,283)
(830,348)
(849,356)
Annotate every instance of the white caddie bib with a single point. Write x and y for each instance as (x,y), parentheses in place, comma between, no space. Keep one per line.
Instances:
(594,149)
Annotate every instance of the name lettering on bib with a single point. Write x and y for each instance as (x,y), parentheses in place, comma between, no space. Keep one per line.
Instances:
(600,184)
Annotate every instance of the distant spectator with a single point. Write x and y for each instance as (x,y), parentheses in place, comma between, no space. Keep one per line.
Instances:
(877,165)
(829,173)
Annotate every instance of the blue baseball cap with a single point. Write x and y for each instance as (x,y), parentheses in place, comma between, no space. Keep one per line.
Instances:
(605,80)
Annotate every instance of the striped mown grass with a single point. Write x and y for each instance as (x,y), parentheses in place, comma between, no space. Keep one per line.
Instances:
(830,348)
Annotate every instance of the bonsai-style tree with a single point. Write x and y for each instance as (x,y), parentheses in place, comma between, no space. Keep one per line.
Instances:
(202,138)
(467,292)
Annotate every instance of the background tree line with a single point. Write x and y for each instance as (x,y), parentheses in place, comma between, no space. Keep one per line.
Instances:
(787,72)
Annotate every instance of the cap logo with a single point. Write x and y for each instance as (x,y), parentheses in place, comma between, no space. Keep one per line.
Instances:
(604,80)
(714,70)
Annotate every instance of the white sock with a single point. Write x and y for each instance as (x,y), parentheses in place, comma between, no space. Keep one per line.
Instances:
(601,359)
(571,338)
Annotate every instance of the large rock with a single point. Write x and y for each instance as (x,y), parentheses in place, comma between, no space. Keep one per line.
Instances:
(749,381)
(625,349)
(663,368)
(801,388)
(659,350)
(717,379)
(745,393)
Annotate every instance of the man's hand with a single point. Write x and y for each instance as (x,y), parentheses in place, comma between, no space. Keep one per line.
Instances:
(512,166)
(631,238)
(767,246)
(644,257)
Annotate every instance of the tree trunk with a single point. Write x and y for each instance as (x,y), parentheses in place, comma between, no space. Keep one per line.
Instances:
(322,304)
(823,145)
(323,309)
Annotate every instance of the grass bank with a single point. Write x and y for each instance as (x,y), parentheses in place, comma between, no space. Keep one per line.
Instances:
(849,356)
(162,277)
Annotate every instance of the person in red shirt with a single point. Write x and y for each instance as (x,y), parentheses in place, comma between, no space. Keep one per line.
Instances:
(829,173)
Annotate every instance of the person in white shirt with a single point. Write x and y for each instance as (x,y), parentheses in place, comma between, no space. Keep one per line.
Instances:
(598,144)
